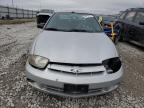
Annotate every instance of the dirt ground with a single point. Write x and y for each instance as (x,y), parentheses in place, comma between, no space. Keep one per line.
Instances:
(15,40)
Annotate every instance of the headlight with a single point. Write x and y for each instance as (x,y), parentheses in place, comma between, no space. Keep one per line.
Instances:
(38,61)
(112,65)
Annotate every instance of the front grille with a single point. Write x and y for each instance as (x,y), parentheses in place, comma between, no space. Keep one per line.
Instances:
(77,64)
(77,69)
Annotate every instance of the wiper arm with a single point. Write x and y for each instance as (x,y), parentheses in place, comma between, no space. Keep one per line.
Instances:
(52,29)
(78,30)
(72,30)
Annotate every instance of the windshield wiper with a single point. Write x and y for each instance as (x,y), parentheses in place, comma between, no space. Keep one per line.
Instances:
(72,30)
(77,30)
(55,29)
(52,29)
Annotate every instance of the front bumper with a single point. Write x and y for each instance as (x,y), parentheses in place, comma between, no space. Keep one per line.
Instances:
(53,83)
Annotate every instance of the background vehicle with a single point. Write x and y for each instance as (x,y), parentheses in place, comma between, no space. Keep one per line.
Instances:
(109,19)
(130,26)
(108,22)
(43,16)
(108,25)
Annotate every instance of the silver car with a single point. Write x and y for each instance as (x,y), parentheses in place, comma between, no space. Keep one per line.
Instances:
(73,57)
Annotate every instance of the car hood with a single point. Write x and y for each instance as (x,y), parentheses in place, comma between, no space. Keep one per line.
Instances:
(74,47)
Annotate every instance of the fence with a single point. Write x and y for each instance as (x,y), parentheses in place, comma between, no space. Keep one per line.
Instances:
(11,13)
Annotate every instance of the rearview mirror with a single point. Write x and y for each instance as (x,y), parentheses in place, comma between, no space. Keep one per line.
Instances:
(141,23)
(41,25)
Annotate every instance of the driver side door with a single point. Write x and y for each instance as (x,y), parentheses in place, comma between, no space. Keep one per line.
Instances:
(139,27)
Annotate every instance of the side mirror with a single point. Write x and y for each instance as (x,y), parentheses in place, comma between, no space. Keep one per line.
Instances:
(41,25)
(141,23)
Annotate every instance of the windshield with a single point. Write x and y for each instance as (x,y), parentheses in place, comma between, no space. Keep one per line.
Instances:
(73,22)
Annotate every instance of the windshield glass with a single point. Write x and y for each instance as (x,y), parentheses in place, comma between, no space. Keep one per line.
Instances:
(73,22)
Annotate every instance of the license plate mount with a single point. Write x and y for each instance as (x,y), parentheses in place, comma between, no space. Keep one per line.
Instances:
(71,88)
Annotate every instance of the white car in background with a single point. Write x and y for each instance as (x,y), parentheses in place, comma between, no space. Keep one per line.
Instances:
(73,57)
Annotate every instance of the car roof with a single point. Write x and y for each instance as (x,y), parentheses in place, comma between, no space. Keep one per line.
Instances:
(135,9)
(77,13)
(44,14)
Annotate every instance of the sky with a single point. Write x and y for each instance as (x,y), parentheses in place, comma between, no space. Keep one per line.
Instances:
(97,6)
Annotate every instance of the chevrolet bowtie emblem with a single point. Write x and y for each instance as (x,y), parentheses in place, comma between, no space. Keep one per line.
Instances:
(75,70)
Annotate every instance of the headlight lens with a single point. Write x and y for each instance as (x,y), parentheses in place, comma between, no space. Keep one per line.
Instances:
(112,65)
(38,61)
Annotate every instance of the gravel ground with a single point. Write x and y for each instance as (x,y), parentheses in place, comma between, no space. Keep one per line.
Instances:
(16,93)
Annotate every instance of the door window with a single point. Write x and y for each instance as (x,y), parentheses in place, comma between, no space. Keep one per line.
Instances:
(122,15)
(139,17)
(130,16)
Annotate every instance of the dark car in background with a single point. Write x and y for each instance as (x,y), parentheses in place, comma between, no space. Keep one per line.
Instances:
(130,26)
(43,16)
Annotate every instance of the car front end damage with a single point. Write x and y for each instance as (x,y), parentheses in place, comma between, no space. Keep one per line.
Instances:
(74,80)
